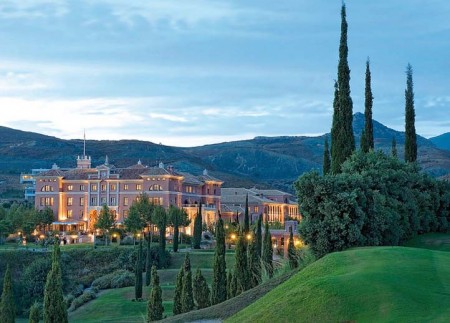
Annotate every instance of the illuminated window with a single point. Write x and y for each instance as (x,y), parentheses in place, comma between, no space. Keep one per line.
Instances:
(125,187)
(156,200)
(189,189)
(69,201)
(125,201)
(81,187)
(69,214)
(125,214)
(103,187)
(156,187)
(47,188)
(94,187)
(81,201)
(70,187)
(47,201)
(113,187)
(256,209)
(138,187)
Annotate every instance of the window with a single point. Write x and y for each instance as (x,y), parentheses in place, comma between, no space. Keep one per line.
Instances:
(94,187)
(125,201)
(103,187)
(47,188)
(70,187)
(256,209)
(69,201)
(208,191)
(156,200)
(112,187)
(81,201)
(125,187)
(94,201)
(103,200)
(138,187)
(112,201)
(189,189)
(156,187)
(69,214)
(81,214)
(47,201)
(82,188)
(125,214)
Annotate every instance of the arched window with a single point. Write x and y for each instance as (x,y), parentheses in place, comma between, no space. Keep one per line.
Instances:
(155,187)
(47,188)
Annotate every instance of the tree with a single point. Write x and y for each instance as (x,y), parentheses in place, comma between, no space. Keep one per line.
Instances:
(134,222)
(267,256)
(394,147)
(233,286)
(177,217)
(241,265)
(229,279)
(55,310)
(254,265)
(160,218)
(198,228)
(219,283)
(148,262)
(292,252)
(368,142)
(105,221)
(410,128)
(246,217)
(177,306)
(187,298)
(7,305)
(138,273)
(326,158)
(342,139)
(258,236)
(34,314)
(201,290)
(155,308)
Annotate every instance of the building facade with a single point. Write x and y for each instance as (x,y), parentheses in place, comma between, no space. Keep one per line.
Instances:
(274,205)
(77,195)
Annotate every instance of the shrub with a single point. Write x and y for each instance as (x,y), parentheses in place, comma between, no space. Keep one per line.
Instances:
(87,296)
(118,279)
(127,241)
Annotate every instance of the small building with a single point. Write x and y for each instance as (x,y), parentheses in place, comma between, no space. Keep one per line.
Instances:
(274,205)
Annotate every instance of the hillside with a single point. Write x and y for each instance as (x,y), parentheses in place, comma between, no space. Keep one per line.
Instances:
(365,284)
(442,141)
(263,161)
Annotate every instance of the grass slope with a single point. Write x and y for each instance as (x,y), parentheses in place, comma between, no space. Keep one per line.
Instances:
(364,284)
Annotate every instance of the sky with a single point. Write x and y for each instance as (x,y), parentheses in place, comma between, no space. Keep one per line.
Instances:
(188,73)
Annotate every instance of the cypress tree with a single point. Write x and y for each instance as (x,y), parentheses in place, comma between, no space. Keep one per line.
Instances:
(55,310)
(138,274)
(148,263)
(219,283)
(34,314)
(254,264)
(198,228)
(368,123)
(155,308)
(177,308)
(162,224)
(176,228)
(233,285)
(187,298)
(342,141)
(410,129)
(201,290)
(7,305)
(267,257)
(246,217)
(292,253)
(394,147)
(364,145)
(229,279)
(258,237)
(326,158)
(241,265)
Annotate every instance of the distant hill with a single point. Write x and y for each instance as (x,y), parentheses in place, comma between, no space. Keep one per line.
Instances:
(442,141)
(262,161)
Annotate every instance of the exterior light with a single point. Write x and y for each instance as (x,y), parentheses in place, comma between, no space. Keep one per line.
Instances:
(19,233)
(233,236)
(226,226)
(249,236)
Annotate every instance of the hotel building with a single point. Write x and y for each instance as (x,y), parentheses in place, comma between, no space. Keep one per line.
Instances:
(77,195)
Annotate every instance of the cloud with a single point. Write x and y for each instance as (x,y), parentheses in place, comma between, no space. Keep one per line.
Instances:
(167,117)
(32,9)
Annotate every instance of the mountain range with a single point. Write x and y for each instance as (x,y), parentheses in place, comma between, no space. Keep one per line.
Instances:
(262,161)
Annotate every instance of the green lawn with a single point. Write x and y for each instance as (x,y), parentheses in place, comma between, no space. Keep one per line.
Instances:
(382,284)
(115,305)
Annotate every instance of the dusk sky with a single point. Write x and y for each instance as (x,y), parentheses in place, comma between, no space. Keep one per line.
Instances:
(187,73)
